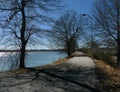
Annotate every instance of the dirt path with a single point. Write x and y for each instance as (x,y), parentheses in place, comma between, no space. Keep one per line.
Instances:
(76,75)
(84,62)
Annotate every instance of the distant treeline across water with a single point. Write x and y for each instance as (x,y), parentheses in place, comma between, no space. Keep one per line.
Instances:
(31,50)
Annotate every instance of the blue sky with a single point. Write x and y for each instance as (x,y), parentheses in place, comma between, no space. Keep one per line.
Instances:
(81,6)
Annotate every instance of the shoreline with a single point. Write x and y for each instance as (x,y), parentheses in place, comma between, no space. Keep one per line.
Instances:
(54,63)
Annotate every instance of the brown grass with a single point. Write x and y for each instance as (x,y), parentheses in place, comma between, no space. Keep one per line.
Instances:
(20,71)
(54,63)
(114,59)
(110,76)
(61,61)
(10,73)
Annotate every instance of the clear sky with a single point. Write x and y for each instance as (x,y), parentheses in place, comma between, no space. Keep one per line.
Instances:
(81,6)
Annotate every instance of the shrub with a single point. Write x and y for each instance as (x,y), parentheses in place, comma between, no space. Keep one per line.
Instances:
(102,55)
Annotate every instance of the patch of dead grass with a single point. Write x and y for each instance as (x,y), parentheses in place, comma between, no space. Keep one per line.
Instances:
(54,63)
(109,75)
(61,61)
(14,72)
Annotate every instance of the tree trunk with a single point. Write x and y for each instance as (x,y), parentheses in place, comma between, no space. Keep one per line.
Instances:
(22,57)
(118,52)
(23,41)
(118,36)
(68,50)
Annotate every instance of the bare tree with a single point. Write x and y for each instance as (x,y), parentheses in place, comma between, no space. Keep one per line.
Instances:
(21,19)
(66,31)
(107,18)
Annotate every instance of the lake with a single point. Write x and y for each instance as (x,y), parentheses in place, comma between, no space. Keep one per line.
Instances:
(33,59)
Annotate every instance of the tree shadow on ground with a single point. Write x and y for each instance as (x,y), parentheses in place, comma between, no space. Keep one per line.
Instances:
(67,80)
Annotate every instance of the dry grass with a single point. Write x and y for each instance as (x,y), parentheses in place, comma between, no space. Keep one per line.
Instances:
(10,73)
(54,63)
(61,61)
(114,59)
(109,75)
(20,71)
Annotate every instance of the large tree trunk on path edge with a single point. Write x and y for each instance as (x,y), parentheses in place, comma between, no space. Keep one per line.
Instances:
(23,41)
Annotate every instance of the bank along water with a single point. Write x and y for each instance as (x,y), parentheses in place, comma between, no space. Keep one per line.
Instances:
(10,60)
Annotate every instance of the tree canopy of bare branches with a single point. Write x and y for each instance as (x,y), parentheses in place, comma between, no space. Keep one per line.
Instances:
(21,19)
(66,31)
(107,19)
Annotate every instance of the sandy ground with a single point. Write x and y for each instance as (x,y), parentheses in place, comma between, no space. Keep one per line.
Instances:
(82,62)
(76,75)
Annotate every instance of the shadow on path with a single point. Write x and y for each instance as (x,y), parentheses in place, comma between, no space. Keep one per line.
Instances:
(65,79)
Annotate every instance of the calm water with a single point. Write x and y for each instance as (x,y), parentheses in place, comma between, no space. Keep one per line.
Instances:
(8,60)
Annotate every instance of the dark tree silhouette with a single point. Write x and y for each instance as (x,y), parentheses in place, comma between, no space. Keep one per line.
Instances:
(107,19)
(66,31)
(21,19)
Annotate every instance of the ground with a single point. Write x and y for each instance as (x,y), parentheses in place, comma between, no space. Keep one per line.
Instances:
(77,74)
